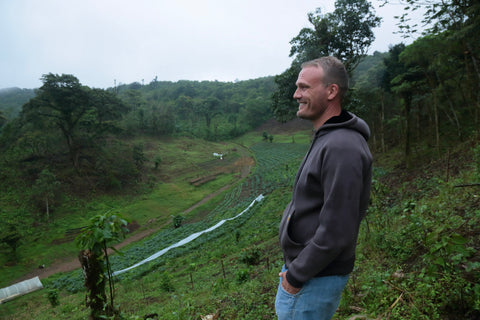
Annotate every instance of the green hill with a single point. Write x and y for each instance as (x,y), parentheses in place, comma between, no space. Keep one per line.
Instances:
(12,100)
(417,256)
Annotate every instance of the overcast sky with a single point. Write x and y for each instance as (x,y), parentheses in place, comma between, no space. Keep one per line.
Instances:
(103,41)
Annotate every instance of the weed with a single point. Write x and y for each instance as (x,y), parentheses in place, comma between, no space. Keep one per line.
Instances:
(243,275)
(52,296)
(476,158)
(250,256)
(166,282)
(178,220)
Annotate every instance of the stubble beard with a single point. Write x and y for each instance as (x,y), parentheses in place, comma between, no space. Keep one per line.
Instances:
(301,112)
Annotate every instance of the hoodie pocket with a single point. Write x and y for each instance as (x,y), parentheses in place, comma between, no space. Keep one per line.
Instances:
(288,245)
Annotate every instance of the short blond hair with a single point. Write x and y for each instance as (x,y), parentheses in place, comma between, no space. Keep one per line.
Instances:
(334,72)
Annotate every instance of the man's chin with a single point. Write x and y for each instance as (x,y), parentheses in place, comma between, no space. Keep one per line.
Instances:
(302,115)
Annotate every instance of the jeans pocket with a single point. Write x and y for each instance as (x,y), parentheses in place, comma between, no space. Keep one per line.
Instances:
(290,294)
(284,303)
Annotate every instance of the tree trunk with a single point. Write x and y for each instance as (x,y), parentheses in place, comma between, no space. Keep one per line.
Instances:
(109,272)
(94,283)
(47,208)
(477,93)
(408,103)
(382,121)
(436,124)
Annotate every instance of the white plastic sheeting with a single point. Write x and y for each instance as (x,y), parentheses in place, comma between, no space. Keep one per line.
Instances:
(19,289)
(187,239)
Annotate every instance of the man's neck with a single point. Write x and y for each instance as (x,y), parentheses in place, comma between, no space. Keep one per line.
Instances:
(344,116)
(330,112)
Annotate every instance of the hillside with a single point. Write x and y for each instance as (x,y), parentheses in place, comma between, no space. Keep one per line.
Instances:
(12,100)
(241,167)
(422,228)
(239,194)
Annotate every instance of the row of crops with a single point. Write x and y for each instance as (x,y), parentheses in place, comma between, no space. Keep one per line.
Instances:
(276,165)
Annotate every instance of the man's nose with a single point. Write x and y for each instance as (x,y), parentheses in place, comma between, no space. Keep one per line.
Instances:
(296,94)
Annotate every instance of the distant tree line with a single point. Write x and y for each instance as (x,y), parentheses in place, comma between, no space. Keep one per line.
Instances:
(11,101)
(208,109)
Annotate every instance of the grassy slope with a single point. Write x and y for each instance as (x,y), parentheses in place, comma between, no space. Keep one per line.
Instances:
(182,160)
(399,275)
(175,195)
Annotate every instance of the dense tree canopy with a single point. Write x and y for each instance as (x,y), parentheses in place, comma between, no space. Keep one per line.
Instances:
(206,109)
(430,89)
(82,115)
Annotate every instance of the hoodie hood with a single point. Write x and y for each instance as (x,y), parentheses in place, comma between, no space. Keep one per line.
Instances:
(354,123)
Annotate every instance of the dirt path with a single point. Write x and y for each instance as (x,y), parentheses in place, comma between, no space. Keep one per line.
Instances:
(69,264)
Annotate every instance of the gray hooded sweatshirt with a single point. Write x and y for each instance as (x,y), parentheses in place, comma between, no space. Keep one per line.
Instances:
(319,227)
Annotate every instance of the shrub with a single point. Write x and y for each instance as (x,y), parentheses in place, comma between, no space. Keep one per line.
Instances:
(178,220)
(166,282)
(52,296)
(250,256)
(242,276)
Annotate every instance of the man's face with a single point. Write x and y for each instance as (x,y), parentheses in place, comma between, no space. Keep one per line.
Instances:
(311,94)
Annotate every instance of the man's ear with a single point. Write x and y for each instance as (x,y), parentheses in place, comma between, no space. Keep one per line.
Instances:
(333,91)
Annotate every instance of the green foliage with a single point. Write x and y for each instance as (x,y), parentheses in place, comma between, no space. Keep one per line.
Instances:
(11,101)
(71,130)
(415,257)
(166,282)
(46,190)
(82,116)
(243,275)
(414,99)
(178,220)
(138,156)
(250,256)
(208,110)
(102,232)
(423,242)
(345,33)
(53,297)
(476,159)
(11,237)
(157,161)
(284,107)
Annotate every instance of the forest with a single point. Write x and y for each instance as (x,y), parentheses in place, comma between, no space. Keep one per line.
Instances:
(69,152)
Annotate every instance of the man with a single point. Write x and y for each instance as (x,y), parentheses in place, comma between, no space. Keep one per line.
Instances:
(319,227)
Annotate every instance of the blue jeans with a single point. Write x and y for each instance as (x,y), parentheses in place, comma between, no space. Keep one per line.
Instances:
(317,300)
